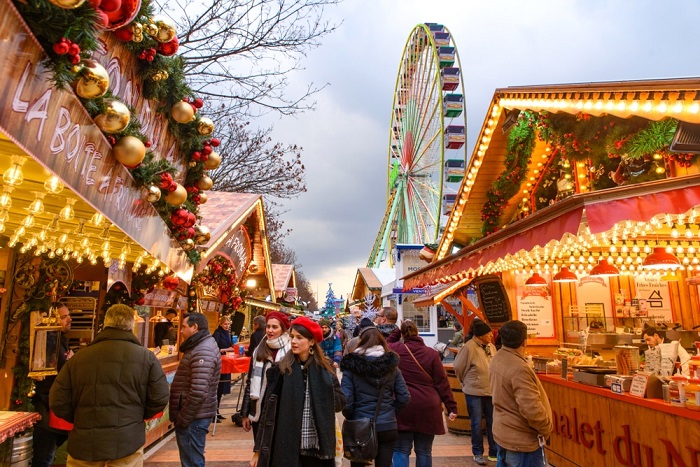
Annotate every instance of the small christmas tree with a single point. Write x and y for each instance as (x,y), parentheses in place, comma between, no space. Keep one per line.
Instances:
(329,308)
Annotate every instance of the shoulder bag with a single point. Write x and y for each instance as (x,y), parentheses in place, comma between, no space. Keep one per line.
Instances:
(419,365)
(360,442)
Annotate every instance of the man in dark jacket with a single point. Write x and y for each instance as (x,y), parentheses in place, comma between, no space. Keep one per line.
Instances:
(386,320)
(193,390)
(107,390)
(259,324)
(46,439)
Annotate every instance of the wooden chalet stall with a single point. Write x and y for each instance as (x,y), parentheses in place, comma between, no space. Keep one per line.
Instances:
(100,187)
(580,203)
(235,262)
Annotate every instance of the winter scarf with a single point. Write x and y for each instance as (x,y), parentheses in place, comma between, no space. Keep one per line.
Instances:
(374,351)
(257,382)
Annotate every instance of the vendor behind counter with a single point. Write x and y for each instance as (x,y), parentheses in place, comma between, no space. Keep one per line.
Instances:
(655,338)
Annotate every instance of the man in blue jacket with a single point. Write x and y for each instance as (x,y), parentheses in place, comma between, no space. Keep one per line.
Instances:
(331,344)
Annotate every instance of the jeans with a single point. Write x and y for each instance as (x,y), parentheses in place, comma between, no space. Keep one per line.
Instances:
(44,444)
(421,442)
(481,407)
(190,442)
(508,458)
(387,441)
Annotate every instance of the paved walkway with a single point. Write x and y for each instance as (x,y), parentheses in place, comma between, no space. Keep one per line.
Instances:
(233,447)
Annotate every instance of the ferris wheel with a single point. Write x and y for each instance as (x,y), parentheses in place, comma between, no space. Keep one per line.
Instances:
(427,153)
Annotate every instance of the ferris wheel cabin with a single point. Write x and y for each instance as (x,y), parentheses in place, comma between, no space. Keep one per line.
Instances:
(454,170)
(450,78)
(448,202)
(454,136)
(446,56)
(453,105)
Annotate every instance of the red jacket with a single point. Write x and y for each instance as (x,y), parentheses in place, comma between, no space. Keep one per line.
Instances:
(424,413)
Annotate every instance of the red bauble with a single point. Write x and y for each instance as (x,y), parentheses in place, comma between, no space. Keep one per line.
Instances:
(192,189)
(61,48)
(124,34)
(123,15)
(171,282)
(141,301)
(199,103)
(102,19)
(110,6)
(207,149)
(215,142)
(196,156)
(74,59)
(95,3)
(165,180)
(73,49)
(191,219)
(172,186)
(169,48)
(190,232)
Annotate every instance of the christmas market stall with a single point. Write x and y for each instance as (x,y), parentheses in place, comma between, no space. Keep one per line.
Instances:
(235,263)
(104,151)
(578,215)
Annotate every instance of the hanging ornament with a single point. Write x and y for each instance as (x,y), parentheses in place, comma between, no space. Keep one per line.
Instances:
(203,198)
(110,6)
(67,4)
(202,234)
(169,48)
(205,183)
(125,34)
(171,282)
(176,197)
(124,15)
(115,118)
(188,244)
(93,80)
(32,390)
(165,31)
(151,193)
(129,151)
(213,161)
(160,75)
(182,112)
(205,126)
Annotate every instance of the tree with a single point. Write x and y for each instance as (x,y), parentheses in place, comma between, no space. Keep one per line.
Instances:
(240,53)
(329,307)
(252,164)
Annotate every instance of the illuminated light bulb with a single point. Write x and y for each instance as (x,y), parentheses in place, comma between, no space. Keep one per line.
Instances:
(679,250)
(67,212)
(647,107)
(5,197)
(20,231)
(65,257)
(53,185)
(75,254)
(105,245)
(85,242)
(688,232)
(93,261)
(677,107)
(625,249)
(659,169)
(662,107)
(28,221)
(2,227)
(674,231)
(635,248)
(694,108)
(79,260)
(63,239)
(13,176)
(97,219)
(37,206)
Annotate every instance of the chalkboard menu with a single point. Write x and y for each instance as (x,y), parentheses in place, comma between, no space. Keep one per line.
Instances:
(493,300)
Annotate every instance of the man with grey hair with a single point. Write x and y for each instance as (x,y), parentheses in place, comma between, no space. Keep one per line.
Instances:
(107,390)
(259,324)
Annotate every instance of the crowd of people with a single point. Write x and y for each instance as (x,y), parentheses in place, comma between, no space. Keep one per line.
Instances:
(302,373)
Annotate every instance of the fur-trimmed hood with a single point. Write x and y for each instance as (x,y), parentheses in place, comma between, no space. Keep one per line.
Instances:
(370,367)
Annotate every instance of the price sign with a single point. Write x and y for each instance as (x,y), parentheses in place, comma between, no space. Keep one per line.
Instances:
(616,387)
(639,384)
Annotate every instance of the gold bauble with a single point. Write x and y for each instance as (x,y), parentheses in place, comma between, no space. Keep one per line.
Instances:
(115,118)
(136,28)
(202,235)
(203,198)
(151,193)
(205,126)
(166,28)
(182,112)
(177,197)
(205,183)
(188,244)
(130,151)
(93,80)
(213,161)
(151,29)
(67,4)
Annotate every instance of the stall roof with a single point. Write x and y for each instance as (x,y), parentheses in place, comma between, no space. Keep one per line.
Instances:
(283,277)
(224,210)
(653,100)
(373,278)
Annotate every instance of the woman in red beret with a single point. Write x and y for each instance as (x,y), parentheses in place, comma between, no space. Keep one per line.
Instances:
(299,405)
(271,349)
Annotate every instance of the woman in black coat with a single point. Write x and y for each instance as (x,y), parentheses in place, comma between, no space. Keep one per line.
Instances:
(365,370)
(297,421)
(222,336)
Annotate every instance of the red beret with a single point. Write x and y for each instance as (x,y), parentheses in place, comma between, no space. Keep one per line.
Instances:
(279,316)
(312,326)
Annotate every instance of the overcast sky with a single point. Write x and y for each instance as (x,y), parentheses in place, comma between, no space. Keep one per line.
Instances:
(501,43)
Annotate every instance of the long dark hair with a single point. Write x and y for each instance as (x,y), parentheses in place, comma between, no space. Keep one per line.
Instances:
(317,356)
(369,337)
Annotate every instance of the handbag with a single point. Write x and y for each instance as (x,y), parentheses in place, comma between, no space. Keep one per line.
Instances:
(360,442)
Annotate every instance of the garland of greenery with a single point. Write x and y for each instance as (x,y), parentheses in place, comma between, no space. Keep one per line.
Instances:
(51,24)
(219,274)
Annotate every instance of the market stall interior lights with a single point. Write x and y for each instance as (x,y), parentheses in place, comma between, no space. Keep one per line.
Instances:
(43,216)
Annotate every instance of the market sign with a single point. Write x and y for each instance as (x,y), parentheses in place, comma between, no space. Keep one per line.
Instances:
(238,249)
(53,127)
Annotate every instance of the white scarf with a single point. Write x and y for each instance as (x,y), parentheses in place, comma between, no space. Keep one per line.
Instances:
(374,351)
(258,381)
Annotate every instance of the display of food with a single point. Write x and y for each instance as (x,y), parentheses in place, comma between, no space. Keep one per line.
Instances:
(626,359)
(575,357)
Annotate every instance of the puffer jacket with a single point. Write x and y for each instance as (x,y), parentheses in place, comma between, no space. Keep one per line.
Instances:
(107,390)
(193,390)
(362,378)
(472,368)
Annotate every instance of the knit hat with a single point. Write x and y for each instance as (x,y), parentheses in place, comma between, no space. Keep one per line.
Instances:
(311,326)
(481,328)
(366,322)
(281,317)
(324,322)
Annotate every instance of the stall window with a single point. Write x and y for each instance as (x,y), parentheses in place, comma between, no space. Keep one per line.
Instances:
(420,316)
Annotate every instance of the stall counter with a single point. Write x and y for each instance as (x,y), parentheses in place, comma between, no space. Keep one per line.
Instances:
(594,426)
